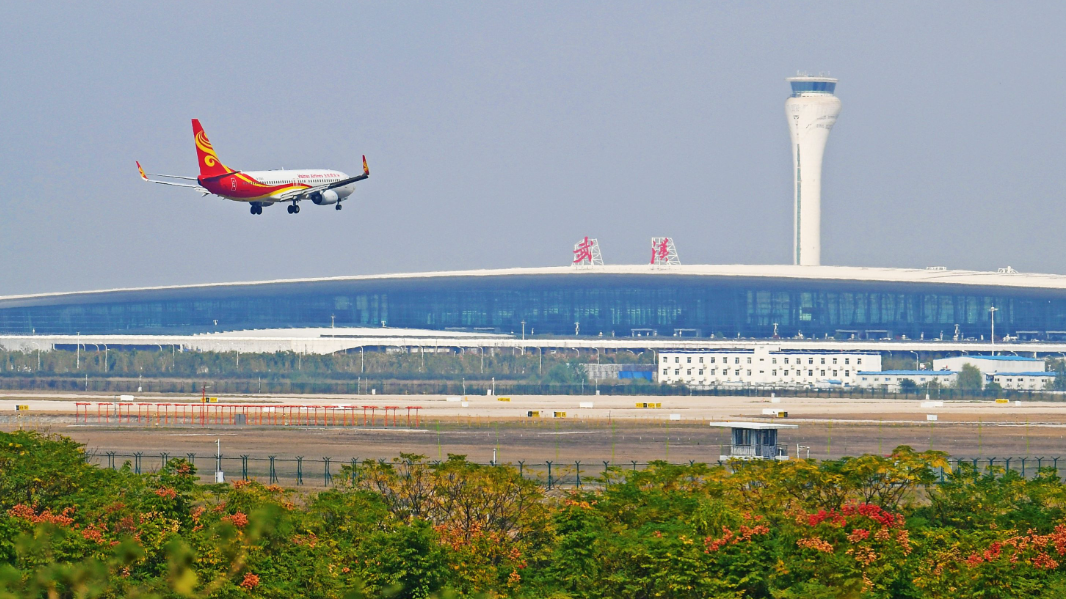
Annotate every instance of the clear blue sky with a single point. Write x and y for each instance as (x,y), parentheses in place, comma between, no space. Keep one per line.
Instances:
(499,133)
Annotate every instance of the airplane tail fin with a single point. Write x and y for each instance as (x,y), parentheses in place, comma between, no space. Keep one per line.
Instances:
(210,165)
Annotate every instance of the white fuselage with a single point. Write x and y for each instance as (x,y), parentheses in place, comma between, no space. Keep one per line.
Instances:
(284,181)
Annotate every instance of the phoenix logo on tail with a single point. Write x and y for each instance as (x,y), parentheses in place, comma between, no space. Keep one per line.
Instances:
(262,188)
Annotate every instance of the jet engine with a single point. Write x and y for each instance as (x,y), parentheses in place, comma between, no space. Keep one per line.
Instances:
(324,198)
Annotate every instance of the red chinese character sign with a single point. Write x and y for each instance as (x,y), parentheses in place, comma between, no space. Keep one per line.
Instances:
(587,253)
(663,252)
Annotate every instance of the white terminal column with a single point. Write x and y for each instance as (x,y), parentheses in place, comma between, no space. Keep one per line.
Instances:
(811,111)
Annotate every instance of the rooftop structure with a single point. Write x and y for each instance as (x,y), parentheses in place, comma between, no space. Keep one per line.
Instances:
(664,252)
(812,110)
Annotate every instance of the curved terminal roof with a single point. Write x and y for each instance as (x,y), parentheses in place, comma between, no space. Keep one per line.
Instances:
(1005,280)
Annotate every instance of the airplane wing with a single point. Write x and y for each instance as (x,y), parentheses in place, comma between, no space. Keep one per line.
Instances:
(310,191)
(171,183)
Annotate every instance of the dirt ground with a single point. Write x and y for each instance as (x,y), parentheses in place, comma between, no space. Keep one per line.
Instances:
(612,429)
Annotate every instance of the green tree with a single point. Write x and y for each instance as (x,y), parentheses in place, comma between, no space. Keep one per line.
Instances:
(1059,368)
(970,379)
(908,386)
(567,373)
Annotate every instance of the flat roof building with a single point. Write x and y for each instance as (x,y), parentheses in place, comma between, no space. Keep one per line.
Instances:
(992,364)
(1022,381)
(891,380)
(764,366)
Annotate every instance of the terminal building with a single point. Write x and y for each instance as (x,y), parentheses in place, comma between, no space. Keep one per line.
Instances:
(701,301)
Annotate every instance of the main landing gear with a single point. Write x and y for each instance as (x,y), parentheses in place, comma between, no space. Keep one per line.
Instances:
(294,209)
(257,208)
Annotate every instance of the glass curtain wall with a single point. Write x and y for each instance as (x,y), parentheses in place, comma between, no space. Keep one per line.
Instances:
(618,305)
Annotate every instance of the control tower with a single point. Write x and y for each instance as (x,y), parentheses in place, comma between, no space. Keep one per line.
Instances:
(811,111)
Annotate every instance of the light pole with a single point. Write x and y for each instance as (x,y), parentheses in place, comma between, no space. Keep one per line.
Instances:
(77,349)
(38,355)
(917,363)
(993,311)
(105,357)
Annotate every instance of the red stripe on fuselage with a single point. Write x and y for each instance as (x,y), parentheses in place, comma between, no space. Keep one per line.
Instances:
(242,187)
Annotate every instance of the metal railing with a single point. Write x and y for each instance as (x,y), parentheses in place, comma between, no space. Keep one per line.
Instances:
(761,452)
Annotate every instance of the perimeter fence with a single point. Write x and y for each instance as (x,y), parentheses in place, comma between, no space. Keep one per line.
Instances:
(472,388)
(325,472)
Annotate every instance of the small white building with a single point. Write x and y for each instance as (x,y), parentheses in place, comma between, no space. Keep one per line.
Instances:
(988,364)
(1022,381)
(890,379)
(764,366)
(753,441)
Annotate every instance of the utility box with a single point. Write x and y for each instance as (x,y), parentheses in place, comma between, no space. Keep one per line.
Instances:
(240,419)
(219,477)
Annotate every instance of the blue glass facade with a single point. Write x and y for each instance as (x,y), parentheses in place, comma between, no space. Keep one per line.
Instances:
(824,87)
(608,304)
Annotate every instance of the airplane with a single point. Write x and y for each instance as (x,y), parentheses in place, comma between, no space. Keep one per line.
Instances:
(262,188)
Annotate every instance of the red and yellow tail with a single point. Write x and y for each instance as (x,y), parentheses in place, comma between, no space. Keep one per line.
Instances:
(210,165)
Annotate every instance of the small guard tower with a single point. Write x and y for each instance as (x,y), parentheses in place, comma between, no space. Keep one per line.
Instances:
(753,441)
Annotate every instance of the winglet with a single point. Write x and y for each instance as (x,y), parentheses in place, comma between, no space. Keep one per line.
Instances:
(366,169)
(141,170)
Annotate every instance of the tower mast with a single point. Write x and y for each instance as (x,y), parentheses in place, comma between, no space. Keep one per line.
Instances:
(811,112)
